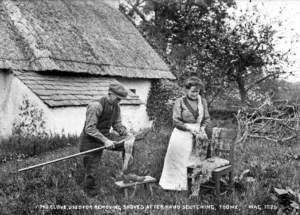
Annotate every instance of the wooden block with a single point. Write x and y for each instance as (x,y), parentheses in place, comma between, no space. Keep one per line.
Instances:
(134,191)
(126,193)
(148,179)
(151,190)
(220,169)
(147,183)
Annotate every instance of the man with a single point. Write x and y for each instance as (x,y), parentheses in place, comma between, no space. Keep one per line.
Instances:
(100,117)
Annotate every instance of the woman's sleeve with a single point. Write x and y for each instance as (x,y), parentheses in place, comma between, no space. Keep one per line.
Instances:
(177,117)
(206,117)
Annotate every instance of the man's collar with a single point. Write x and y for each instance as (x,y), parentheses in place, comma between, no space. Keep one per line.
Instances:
(109,101)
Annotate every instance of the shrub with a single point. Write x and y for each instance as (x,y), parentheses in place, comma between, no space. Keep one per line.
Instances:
(30,120)
(29,135)
(160,103)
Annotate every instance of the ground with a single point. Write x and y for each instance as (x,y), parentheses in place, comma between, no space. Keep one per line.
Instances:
(59,184)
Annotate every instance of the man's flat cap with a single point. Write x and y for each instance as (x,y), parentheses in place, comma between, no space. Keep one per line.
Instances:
(118,89)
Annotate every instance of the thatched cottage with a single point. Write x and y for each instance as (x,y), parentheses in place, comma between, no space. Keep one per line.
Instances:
(63,54)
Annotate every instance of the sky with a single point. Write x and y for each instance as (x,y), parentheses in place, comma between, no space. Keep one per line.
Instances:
(290,16)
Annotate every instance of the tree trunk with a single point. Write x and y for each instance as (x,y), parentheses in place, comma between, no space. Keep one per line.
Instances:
(243,95)
(242,89)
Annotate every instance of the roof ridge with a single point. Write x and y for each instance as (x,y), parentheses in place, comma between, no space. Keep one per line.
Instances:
(30,60)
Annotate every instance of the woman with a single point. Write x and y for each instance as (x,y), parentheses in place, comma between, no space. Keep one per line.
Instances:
(190,117)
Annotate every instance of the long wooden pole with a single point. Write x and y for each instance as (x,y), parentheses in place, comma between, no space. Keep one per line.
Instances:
(68,157)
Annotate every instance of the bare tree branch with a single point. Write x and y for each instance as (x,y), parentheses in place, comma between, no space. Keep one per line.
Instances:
(274,140)
(274,119)
(134,7)
(258,81)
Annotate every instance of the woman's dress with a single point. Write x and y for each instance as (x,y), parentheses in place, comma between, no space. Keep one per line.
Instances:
(179,154)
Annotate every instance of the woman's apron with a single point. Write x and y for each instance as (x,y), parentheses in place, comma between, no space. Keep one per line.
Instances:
(179,156)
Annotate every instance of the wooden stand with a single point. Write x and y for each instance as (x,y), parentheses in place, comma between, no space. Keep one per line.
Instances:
(126,186)
(216,174)
(224,145)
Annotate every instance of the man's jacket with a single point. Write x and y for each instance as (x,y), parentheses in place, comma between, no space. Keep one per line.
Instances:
(100,117)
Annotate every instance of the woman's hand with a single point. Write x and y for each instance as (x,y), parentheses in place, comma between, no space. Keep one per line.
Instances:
(199,133)
(193,130)
(202,135)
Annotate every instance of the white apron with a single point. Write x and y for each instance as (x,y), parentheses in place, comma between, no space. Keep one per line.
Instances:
(179,156)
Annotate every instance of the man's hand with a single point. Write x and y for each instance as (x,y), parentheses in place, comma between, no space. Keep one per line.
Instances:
(109,144)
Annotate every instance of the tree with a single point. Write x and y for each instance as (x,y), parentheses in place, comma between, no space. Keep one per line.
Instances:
(250,48)
(201,37)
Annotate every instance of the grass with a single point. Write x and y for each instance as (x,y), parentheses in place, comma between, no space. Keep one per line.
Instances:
(272,165)
(20,147)
(60,184)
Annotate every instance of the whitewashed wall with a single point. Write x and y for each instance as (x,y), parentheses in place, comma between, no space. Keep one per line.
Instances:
(136,117)
(5,106)
(69,120)
(142,86)
(12,92)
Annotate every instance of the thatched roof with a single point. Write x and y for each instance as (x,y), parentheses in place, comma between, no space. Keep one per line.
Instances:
(74,36)
(66,90)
